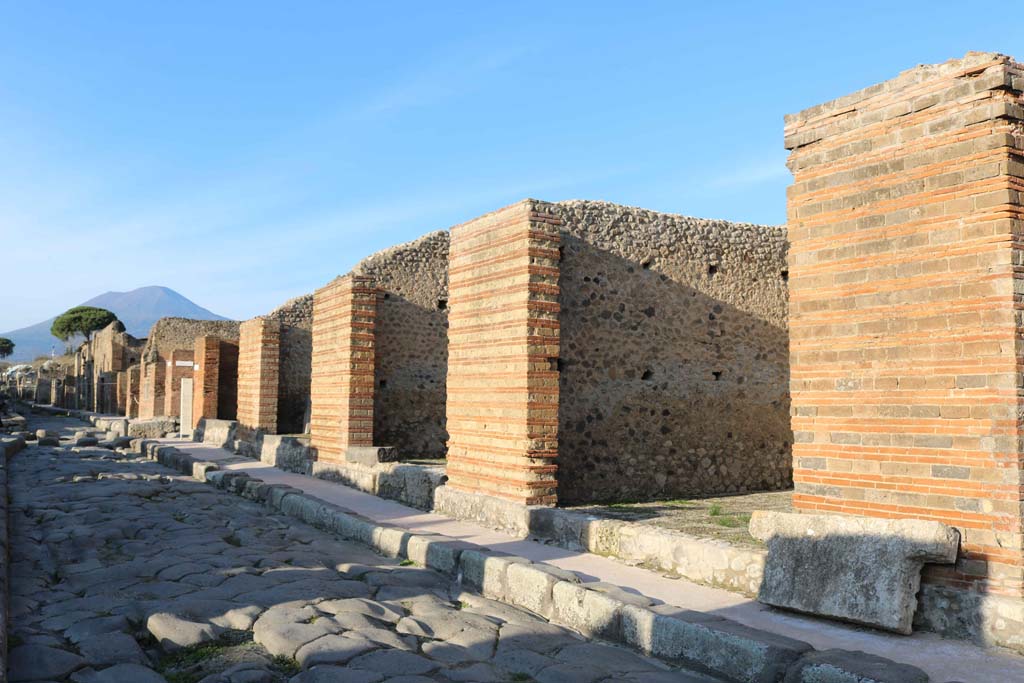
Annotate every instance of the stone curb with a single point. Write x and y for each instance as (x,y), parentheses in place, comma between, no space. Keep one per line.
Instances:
(701,560)
(8,447)
(706,642)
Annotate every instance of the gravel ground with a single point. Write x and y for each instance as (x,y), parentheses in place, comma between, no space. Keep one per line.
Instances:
(724,518)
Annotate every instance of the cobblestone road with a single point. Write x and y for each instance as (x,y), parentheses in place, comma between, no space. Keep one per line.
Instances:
(124,571)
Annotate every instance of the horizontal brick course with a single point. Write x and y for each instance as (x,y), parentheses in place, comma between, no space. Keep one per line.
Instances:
(342,381)
(905,218)
(502,391)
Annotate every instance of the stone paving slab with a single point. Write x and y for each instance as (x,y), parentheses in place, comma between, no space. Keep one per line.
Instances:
(125,570)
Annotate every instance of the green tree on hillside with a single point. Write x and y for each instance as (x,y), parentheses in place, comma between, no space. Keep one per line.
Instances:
(6,347)
(83,320)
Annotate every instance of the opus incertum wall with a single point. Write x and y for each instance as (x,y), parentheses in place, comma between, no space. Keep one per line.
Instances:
(410,345)
(673,362)
(905,218)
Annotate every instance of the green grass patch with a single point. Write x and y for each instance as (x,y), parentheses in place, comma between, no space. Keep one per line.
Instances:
(733,521)
(715,510)
(285,665)
(182,666)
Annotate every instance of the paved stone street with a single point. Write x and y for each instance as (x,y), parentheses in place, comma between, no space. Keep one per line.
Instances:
(124,571)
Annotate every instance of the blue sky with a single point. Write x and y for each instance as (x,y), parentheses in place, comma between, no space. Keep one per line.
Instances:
(244,153)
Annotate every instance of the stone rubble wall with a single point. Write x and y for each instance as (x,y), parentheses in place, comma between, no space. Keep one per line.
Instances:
(170,334)
(296,360)
(673,365)
(411,345)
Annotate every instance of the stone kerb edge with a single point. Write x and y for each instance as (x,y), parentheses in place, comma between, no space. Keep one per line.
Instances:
(8,447)
(717,646)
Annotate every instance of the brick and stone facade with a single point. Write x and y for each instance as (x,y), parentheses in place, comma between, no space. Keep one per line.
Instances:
(179,366)
(502,388)
(134,391)
(411,345)
(342,382)
(259,355)
(214,379)
(639,355)
(153,386)
(905,217)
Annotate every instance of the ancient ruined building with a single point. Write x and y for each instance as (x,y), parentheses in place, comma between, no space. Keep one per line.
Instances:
(593,352)
(169,357)
(570,352)
(905,217)
(101,365)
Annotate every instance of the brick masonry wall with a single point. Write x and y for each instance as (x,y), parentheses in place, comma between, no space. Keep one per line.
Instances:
(259,352)
(906,286)
(411,345)
(179,366)
(502,387)
(674,355)
(342,382)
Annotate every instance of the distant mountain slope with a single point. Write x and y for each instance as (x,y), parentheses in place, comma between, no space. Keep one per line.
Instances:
(137,309)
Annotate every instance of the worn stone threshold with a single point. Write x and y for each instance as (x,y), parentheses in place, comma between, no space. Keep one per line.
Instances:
(942,659)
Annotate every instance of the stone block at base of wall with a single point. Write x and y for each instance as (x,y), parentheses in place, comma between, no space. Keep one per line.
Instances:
(288,453)
(413,485)
(856,569)
(990,620)
(219,433)
(371,455)
(152,428)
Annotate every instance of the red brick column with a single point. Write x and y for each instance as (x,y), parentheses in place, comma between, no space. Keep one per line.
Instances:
(179,367)
(905,218)
(134,391)
(154,380)
(342,382)
(502,401)
(259,354)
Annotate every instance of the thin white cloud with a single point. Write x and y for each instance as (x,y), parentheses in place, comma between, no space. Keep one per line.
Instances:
(747,174)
